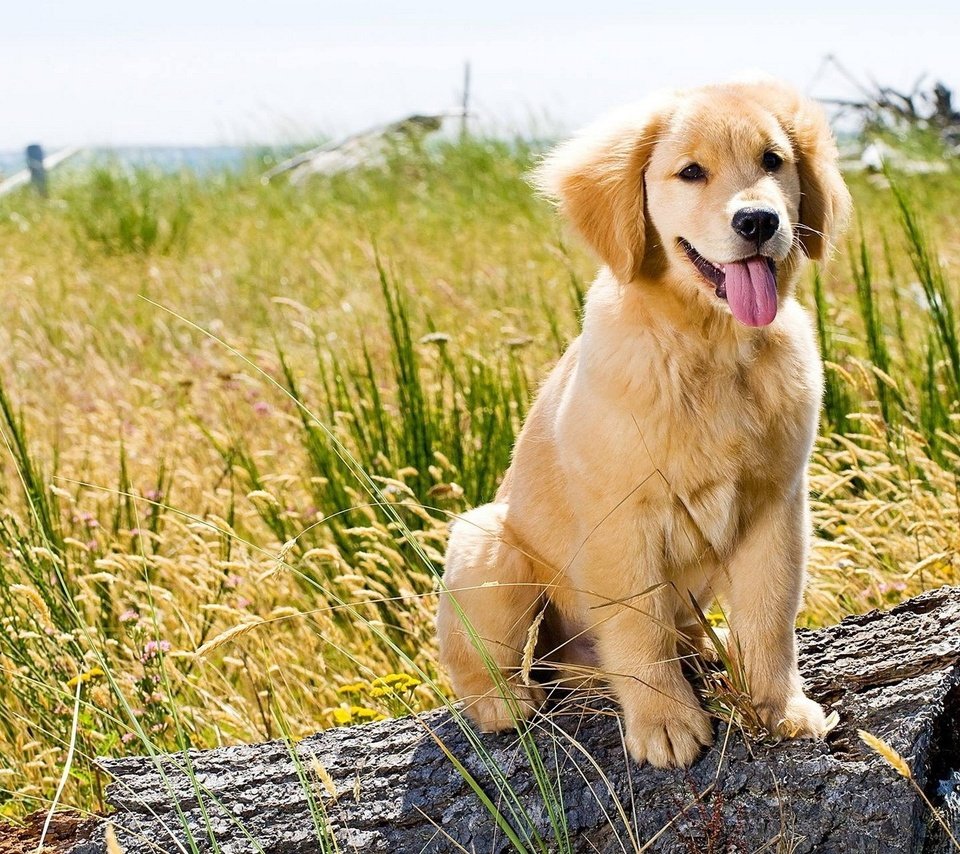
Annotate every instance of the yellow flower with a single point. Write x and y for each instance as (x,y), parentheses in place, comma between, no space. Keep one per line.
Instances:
(84,677)
(364,713)
(394,681)
(342,716)
(352,688)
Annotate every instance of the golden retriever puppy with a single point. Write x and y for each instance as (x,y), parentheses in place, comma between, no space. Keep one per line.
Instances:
(665,456)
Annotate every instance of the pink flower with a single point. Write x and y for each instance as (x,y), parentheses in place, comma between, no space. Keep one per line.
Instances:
(127,737)
(151,649)
(886,588)
(129,616)
(261,407)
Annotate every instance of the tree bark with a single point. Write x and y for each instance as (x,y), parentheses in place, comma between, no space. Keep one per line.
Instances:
(894,673)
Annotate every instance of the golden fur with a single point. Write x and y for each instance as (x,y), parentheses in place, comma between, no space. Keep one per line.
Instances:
(665,456)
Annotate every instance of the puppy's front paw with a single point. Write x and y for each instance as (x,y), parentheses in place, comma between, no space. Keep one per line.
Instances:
(669,737)
(797,717)
(493,712)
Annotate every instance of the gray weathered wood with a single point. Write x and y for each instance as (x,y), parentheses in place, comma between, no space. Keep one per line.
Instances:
(896,674)
(359,149)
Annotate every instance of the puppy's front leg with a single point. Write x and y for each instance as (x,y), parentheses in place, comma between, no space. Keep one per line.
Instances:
(634,623)
(766,586)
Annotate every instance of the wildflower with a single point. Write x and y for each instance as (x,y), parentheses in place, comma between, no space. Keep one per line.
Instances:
(353,688)
(396,681)
(127,737)
(363,713)
(129,616)
(84,677)
(342,716)
(261,407)
(153,648)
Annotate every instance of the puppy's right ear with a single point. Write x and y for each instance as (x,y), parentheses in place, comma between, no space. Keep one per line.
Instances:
(596,178)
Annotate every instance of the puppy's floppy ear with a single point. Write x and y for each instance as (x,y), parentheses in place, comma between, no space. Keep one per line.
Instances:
(825,202)
(597,180)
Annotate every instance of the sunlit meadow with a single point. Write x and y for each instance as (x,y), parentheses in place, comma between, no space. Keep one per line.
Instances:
(211,387)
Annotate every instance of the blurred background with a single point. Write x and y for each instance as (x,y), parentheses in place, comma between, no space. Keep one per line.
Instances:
(108,73)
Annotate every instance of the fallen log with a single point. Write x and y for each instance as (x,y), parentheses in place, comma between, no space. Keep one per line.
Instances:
(394,786)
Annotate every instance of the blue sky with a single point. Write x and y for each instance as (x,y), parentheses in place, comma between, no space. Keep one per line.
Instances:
(211,71)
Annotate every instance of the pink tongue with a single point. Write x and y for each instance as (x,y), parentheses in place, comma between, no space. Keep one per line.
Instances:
(751,291)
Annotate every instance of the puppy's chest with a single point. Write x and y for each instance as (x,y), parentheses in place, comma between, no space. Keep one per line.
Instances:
(708,436)
(684,441)
(694,418)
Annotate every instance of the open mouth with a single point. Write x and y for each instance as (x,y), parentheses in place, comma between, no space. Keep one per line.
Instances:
(749,286)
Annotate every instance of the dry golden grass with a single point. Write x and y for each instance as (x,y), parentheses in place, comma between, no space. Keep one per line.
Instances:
(181,501)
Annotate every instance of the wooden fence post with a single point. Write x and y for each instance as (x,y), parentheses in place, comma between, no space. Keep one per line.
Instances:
(38,172)
(465,102)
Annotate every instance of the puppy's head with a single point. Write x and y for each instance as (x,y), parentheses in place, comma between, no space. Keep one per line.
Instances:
(716,192)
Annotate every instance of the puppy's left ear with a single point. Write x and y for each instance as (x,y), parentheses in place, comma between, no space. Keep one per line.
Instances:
(597,180)
(825,202)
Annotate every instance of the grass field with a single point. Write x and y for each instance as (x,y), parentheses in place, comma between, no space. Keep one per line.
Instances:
(236,419)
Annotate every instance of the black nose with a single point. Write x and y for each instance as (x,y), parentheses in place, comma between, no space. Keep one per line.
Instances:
(756,224)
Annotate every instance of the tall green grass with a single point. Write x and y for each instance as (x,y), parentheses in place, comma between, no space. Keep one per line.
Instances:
(919,384)
(280,499)
(119,211)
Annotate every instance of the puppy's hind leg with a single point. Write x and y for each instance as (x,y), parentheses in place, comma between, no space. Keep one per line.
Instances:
(489,601)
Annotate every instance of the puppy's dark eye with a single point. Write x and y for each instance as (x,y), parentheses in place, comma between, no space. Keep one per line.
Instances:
(772,161)
(693,172)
